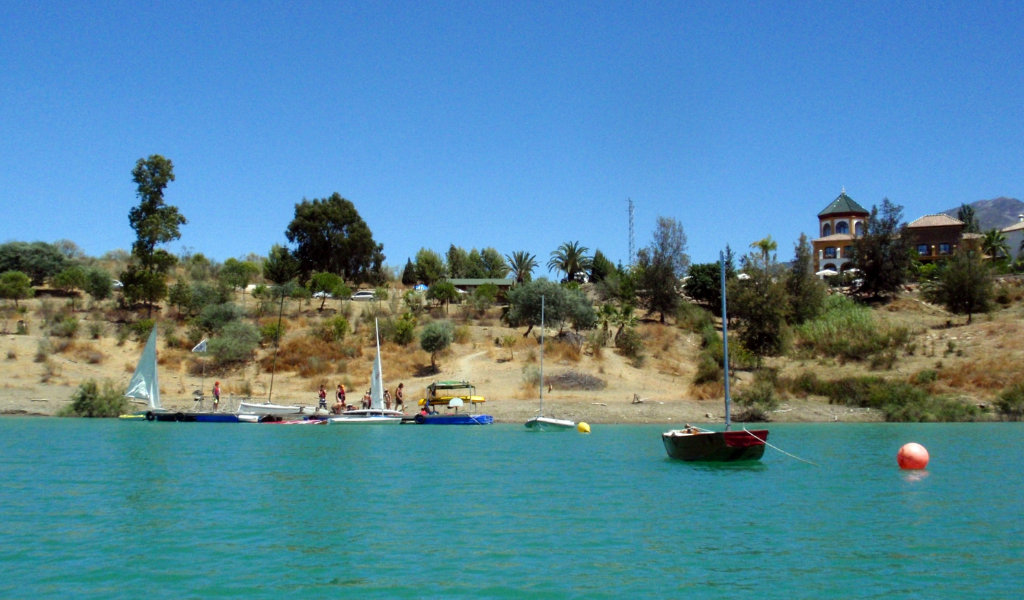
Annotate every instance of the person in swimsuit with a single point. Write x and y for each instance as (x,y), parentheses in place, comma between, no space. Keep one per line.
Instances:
(399,397)
(216,395)
(323,398)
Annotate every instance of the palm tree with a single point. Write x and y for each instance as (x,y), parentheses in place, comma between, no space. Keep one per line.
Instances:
(994,244)
(607,317)
(570,258)
(521,264)
(625,318)
(766,246)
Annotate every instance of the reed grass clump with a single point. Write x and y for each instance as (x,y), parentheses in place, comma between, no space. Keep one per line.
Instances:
(848,331)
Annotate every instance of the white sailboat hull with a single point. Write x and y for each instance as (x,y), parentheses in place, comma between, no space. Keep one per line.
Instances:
(549,424)
(258,408)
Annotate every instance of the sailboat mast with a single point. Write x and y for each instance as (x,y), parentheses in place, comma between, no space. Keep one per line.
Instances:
(725,343)
(277,344)
(541,356)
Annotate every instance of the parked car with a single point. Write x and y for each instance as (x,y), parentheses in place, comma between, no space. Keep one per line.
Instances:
(116,284)
(363,295)
(323,295)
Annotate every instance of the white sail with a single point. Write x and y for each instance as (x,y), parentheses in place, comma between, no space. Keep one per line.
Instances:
(377,381)
(144,385)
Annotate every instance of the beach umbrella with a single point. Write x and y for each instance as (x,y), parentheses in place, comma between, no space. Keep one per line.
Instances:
(743,277)
(826,273)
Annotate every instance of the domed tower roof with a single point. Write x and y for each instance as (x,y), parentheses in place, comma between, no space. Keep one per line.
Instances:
(843,205)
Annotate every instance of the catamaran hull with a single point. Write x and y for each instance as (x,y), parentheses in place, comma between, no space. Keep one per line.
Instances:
(190,417)
(722,446)
(549,424)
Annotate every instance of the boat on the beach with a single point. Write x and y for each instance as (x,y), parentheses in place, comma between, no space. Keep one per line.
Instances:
(696,444)
(540,422)
(452,395)
(376,414)
(269,408)
(455,418)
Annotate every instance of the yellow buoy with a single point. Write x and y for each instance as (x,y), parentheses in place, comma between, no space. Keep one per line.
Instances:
(583,427)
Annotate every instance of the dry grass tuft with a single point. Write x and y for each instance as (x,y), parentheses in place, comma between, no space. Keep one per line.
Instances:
(992,372)
(171,358)
(559,351)
(90,354)
(711,390)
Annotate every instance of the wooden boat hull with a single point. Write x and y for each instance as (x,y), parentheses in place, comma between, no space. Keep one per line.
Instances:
(721,446)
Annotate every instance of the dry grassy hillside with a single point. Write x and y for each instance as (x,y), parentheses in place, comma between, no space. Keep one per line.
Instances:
(936,352)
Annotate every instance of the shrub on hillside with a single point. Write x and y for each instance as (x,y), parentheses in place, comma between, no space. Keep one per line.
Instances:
(693,318)
(93,399)
(631,344)
(848,331)
(215,317)
(1011,402)
(235,344)
(333,329)
(66,327)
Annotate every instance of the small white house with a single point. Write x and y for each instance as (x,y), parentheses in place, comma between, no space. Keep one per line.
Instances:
(1014,236)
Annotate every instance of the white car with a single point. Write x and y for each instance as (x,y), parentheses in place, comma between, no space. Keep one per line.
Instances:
(363,295)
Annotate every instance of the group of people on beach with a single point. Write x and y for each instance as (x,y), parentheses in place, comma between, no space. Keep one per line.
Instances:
(340,404)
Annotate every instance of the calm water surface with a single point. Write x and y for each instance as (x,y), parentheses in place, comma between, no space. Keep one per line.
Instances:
(108,509)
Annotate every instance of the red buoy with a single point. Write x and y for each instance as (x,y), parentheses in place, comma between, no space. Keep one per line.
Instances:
(912,456)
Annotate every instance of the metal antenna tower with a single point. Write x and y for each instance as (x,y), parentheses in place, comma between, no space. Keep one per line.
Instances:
(632,239)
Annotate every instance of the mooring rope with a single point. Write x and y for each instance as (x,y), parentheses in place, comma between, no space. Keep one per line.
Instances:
(765,442)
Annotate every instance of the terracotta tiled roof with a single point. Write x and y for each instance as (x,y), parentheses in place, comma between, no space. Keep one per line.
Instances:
(936,221)
(835,237)
(842,204)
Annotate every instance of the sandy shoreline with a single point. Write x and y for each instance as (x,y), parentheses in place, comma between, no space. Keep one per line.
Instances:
(590,410)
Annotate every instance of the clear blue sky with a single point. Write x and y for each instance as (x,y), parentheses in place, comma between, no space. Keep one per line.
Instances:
(514,125)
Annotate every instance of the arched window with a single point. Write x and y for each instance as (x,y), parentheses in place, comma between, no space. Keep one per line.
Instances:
(859,228)
(830,252)
(842,227)
(826,230)
(847,251)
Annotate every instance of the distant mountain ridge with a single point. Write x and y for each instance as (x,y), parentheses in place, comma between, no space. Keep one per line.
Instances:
(993,214)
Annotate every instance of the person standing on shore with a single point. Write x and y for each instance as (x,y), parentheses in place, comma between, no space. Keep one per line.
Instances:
(341,395)
(399,397)
(387,399)
(216,395)
(323,398)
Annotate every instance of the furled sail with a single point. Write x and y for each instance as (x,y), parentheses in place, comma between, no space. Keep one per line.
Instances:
(144,385)
(377,382)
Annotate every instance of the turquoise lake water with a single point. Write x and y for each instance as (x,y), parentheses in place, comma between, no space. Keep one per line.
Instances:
(110,509)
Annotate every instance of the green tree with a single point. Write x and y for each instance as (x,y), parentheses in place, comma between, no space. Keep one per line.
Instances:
(994,245)
(180,296)
(429,266)
(966,214)
(457,262)
(964,285)
(70,279)
(95,400)
(766,246)
(806,292)
(322,285)
(494,264)
(15,285)
(39,260)
(238,274)
(660,266)
(581,311)
(330,236)
(475,267)
(98,283)
(409,273)
(703,285)
(524,303)
(280,266)
(154,223)
(761,305)
(883,253)
(570,258)
(443,292)
(435,338)
(600,267)
(235,344)
(521,265)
